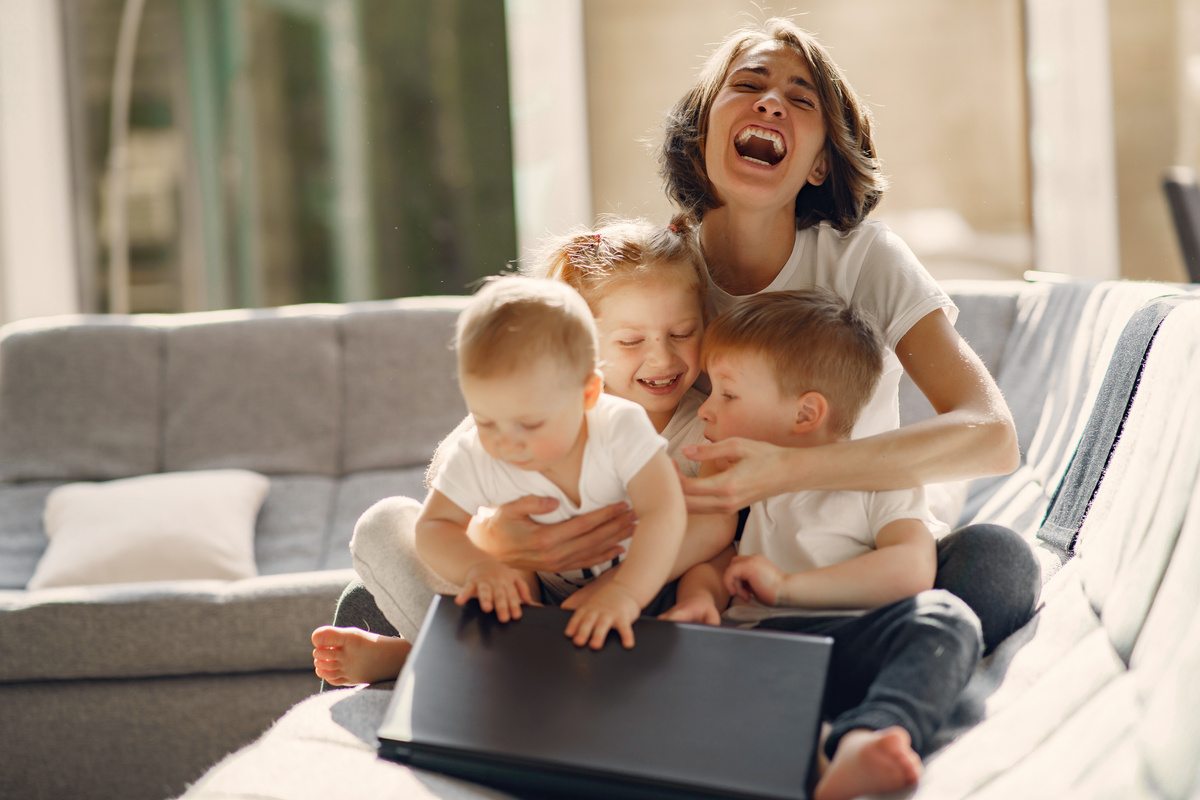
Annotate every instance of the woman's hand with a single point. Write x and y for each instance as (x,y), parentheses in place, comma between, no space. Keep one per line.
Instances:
(752,471)
(512,538)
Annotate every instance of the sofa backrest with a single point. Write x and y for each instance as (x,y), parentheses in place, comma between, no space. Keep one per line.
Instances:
(318,389)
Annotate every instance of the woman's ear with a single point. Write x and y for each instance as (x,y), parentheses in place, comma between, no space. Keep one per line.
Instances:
(592,389)
(811,411)
(820,168)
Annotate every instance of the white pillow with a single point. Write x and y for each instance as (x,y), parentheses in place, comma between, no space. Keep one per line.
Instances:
(155,527)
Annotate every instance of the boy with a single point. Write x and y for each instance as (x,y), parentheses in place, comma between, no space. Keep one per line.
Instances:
(528,372)
(794,369)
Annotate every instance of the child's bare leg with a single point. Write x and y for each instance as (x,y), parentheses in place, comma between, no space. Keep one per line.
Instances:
(348,656)
(869,762)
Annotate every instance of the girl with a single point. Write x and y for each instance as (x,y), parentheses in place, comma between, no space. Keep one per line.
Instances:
(645,286)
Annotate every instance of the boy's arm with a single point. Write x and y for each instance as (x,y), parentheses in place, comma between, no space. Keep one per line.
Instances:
(903,563)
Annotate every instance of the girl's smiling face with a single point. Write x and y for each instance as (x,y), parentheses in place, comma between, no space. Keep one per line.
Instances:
(766,129)
(650,330)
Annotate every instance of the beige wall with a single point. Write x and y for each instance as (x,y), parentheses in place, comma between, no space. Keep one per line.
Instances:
(1151,41)
(944,79)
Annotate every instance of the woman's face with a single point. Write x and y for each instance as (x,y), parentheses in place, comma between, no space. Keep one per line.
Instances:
(650,343)
(766,130)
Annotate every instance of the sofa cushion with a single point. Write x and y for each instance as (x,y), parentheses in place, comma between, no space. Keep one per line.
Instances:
(79,399)
(22,538)
(187,525)
(261,393)
(357,493)
(1131,529)
(1050,374)
(401,384)
(166,628)
(294,524)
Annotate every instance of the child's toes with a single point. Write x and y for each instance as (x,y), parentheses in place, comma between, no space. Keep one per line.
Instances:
(327,636)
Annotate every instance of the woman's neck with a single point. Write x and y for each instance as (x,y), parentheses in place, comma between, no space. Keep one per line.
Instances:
(746,250)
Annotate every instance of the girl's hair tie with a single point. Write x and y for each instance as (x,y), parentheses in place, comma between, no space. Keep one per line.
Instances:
(672,229)
(596,236)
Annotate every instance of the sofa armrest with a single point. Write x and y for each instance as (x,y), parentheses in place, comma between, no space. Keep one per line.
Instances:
(166,628)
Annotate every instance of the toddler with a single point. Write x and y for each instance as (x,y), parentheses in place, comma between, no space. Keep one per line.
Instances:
(794,369)
(527,358)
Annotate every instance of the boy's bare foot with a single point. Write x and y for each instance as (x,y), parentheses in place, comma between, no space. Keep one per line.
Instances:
(348,656)
(869,762)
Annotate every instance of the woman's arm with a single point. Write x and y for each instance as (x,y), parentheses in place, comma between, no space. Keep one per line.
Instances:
(903,564)
(972,436)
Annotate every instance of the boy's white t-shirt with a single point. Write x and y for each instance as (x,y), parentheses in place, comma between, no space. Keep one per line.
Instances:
(620,440)
(808,530)
(873,269)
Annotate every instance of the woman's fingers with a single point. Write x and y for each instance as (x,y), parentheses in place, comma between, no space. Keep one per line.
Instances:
(588,539)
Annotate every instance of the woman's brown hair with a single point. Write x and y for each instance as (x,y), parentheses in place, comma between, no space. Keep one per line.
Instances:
(855,183)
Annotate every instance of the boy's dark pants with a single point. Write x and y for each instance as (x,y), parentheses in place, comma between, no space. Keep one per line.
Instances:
(901,664)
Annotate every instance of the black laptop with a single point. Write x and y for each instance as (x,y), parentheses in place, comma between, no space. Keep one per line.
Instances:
(691,711)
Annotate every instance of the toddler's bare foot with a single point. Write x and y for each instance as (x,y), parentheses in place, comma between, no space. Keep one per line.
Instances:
(869,762)
(348,656)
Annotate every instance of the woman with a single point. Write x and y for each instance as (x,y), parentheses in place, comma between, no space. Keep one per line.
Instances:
(771,152)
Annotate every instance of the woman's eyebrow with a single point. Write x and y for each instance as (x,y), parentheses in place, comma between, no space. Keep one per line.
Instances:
(798,80)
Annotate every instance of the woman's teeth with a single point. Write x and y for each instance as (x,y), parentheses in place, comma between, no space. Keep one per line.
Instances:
(658,384)
(760,145)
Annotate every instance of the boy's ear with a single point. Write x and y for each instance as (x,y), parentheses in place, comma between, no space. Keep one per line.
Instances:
(592,389)
(811,411)
(820,168)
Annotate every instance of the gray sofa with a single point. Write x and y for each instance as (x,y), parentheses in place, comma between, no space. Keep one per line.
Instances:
(133,690)
(1096,697)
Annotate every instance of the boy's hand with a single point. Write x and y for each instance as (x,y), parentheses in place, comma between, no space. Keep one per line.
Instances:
(754,578)
(698,608)
(610,608)
(498,588)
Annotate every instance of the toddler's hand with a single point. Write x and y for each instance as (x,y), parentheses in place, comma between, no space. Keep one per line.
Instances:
(610,608)
(498,587)
(754,578)
(698,608)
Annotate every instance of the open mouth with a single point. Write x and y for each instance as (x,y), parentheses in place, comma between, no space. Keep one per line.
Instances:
(760,146)
(659,385)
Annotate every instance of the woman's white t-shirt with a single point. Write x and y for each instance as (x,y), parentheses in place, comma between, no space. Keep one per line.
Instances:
(873,269)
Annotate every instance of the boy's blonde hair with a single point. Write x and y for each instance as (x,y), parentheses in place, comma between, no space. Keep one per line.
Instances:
(812,340)
(855,182)
(597,260)
(514,320)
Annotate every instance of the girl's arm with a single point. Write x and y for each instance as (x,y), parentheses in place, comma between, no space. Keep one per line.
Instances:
(972,436)
(701,595)
(903,563)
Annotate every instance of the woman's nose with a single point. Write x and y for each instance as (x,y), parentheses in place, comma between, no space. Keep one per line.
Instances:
(771,103)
